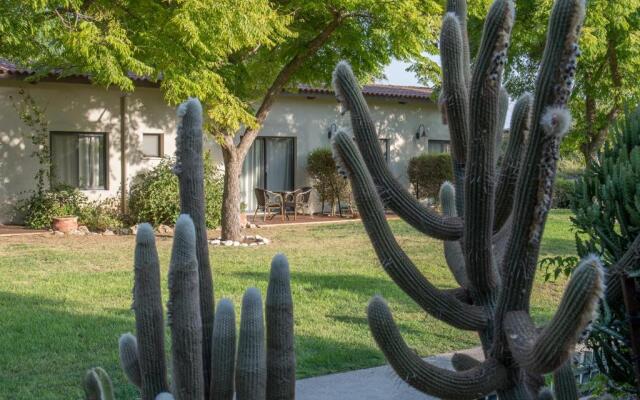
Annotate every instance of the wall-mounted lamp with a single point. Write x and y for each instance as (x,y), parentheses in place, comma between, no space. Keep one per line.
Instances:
(422,132)
(332,130)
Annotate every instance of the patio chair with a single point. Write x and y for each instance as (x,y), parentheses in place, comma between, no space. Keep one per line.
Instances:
(267,201)
(299,201)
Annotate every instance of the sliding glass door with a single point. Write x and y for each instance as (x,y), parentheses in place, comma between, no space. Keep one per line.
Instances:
(270,164)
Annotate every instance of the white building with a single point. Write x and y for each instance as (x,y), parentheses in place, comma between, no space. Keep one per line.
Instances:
(101,138)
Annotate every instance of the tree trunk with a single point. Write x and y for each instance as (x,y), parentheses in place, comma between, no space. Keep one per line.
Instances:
(231,228)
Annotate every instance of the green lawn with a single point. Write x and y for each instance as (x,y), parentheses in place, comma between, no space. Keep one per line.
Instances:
(65,301)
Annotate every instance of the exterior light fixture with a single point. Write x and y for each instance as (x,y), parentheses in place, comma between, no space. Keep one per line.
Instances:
(332,130)
(422,132)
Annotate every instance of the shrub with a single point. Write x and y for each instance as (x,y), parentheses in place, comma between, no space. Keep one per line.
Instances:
(562,192)
(330,185)
(607,218)
(102,215)
(154,196)
(427,172)
(41,207)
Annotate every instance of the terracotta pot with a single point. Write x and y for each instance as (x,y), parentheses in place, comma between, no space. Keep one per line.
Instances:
(65,224)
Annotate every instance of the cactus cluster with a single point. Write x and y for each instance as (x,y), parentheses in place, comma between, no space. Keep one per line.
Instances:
(206,362)
(493,214)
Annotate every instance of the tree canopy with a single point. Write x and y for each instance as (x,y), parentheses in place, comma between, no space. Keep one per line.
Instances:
(606,77)
(181,43)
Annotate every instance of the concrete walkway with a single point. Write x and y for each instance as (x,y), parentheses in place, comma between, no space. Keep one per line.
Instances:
(379,383)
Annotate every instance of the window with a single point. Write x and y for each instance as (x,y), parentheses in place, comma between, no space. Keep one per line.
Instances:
(385,145)
(153,145)
(439,146)
(79,159)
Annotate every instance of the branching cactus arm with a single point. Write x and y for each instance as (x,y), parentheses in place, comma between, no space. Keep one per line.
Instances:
(281,358)
(128,348)
(190,171)
(405,274)
(564,382)
(97,385)
(223,352)
(251,366)
(512,160)
(183,313)
(394,195)
(147,305)
(470,384)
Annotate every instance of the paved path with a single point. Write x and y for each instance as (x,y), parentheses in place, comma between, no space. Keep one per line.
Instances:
(379,383)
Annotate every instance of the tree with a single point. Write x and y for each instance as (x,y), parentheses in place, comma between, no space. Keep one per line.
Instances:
(366,32)
(609,63)
(180,44)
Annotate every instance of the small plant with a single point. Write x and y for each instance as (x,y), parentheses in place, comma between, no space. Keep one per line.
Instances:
(101,215)
(154,195)
(330,185)
(427,172)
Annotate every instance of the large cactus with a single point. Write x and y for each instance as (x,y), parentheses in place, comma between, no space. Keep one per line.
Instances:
(493,219)
(204,353)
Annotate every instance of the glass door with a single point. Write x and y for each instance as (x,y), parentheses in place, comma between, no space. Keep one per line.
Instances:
(269,164)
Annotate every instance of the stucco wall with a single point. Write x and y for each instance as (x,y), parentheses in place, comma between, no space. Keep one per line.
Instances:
(86,108)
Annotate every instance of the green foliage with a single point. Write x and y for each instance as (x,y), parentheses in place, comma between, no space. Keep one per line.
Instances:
(562,192)
(323,171)
(427,172)
(609,61)
(154,196)
(98,216)
(607,217)
(554,266)
(39,209)
(185,42)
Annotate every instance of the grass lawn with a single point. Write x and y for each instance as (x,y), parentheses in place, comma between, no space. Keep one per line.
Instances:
(65,301)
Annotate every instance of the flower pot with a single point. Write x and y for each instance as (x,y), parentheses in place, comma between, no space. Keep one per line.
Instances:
(65,224)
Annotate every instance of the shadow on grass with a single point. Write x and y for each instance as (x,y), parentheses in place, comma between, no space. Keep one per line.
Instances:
(46,349)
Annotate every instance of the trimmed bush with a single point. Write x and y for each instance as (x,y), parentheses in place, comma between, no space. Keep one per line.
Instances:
(323,171)
(427,172)
(154,196)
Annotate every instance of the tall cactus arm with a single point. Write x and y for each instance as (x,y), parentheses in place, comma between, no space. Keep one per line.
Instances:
(281,357)
(547,351)
(629,260)
(97,385)
(147,305)
(503,110)
(464,362)
(479,180)
(512,160)
(190,171)
(395,262)
(459,9)
(545,394)
(535,183)
(128,349)
(223,352)
(251,374)
(165,396)
(473,383)
(393,194)
(455,92)
(183,312)
(452,248)
(564,382)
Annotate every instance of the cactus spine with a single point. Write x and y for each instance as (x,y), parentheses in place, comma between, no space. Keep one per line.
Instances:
(199,345)
(493,217)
